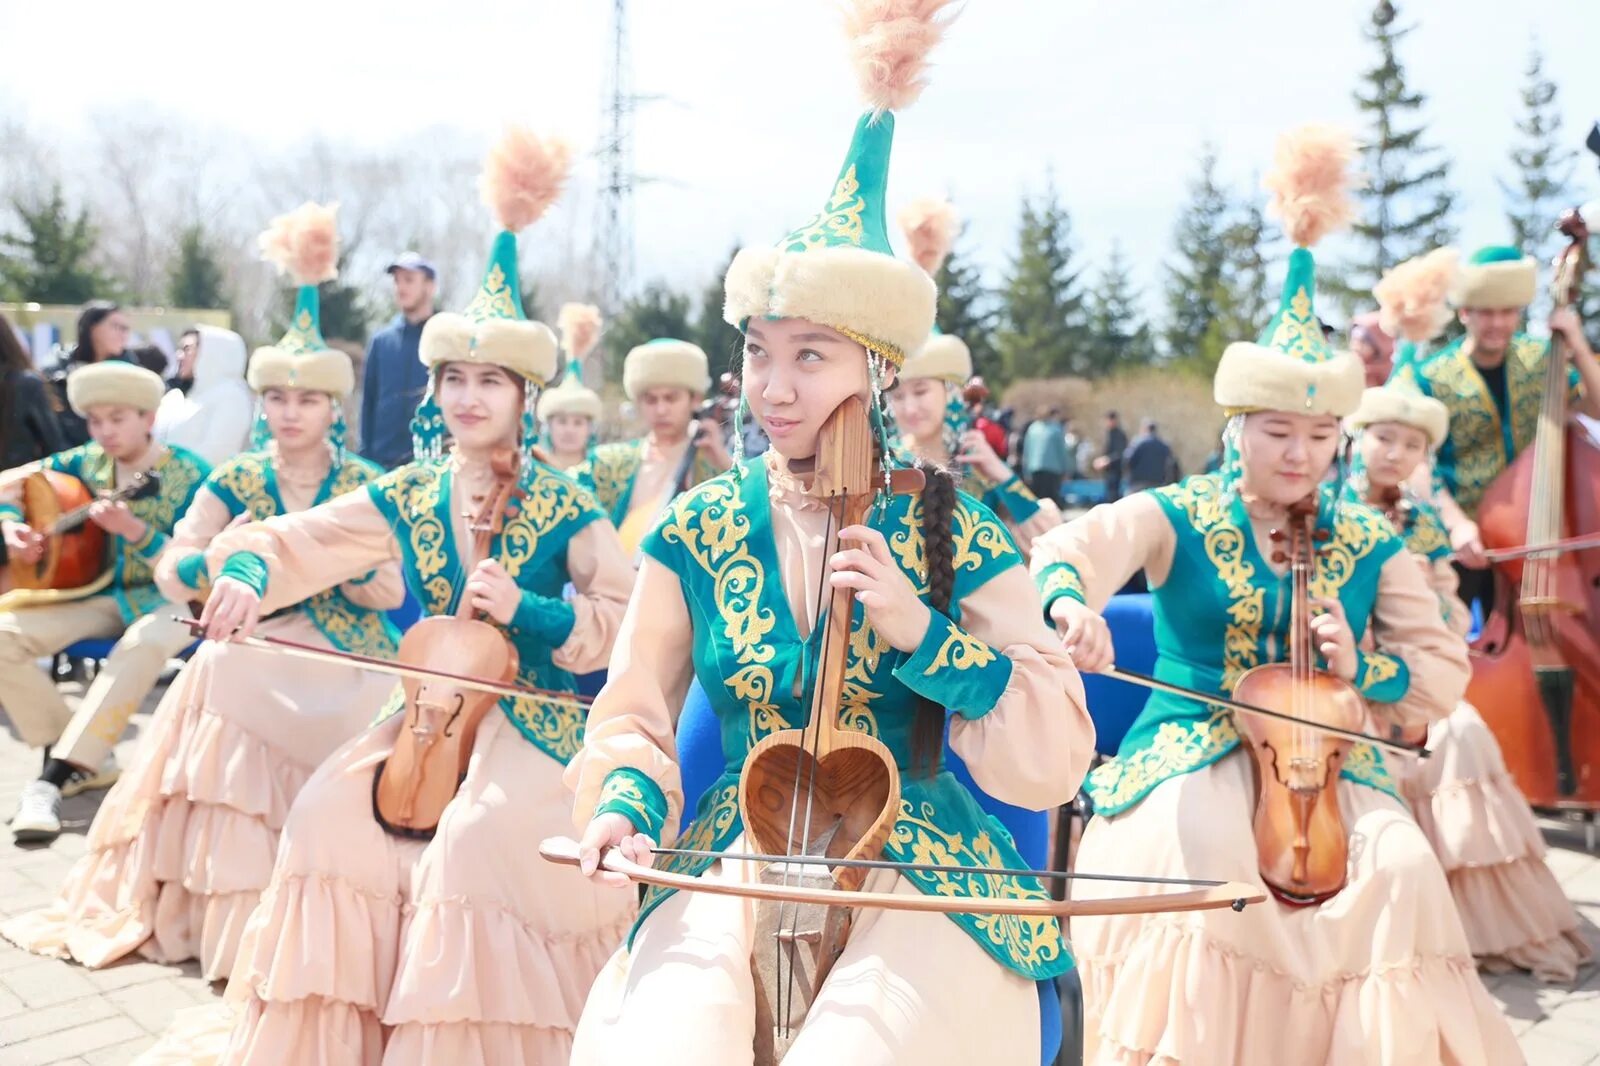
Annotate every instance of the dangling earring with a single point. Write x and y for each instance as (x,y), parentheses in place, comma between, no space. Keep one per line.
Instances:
(260,432)
(740,412)
(337,433)
(878,419)
(530,433)
(427,428)
(1232,470)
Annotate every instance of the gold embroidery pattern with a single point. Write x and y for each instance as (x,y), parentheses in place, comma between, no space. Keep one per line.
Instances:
(1298,333)
(179,476)
(866,651)
(624,790)
(710,525)
(1178,747)
(1476,435)
(1379,668)
(413,493)
(960,651)
(1525,367)
(1028,941)
(1427,536)
(1062,579)
(245,479)
(494,298)
(613,468)
(1364,764)
(1356,532)
(703,834)
(976,540)
(839,224)
(301,337)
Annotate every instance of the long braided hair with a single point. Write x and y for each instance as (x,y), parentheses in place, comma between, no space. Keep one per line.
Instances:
(938,546)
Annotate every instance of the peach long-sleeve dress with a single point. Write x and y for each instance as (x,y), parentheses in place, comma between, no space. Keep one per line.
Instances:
(465,948)
(731,572)
(183,845)
(1379,973)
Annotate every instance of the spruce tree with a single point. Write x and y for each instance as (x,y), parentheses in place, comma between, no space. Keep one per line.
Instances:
(720,341)
(1118,335)
(1408,200)
(966,310)
(196,277)
(655,312)
(1248,294)
(50,261)
(1043,330)
(1197,279)
(1535,197)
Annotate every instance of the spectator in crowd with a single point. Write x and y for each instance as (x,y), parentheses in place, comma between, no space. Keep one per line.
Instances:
(1044,456)
(1070,436)
(182,377)
(212,416)
(394,378)
(102,335)
(1110,462)
(28,427)
(1085,455)
(1373,347)
(1149,460)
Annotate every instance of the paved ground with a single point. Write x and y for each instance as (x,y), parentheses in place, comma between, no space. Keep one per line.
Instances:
(57,1013)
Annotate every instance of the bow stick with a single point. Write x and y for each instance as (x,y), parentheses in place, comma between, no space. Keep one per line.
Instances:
(1208,895)
(384,666)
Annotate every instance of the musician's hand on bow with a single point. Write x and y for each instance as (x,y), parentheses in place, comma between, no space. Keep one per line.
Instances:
(892,604)
(1467,543)
(115,518)
(23,542)
(978,453)
(491,590)
(1331,633)
(232,610)
(611,830)
(1085,633)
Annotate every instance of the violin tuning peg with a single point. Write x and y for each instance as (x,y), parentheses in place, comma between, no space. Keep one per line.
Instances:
(1276,534)
(1320,536)
(1280,557)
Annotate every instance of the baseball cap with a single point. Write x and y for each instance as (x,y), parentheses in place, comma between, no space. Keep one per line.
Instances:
(412,261)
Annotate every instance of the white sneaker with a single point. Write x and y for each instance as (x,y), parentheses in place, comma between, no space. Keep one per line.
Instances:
(38,817)
(90,781)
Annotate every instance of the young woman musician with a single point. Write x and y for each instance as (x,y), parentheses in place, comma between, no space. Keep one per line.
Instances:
(1479,824)
(570,412)
(729,594)
(183,846)
(449,943)
(1373,966)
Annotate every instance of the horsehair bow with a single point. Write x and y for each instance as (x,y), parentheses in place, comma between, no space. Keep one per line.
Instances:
(386,666)
(1204,895)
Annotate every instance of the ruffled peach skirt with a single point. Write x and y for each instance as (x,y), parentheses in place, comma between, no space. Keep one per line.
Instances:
(1380,973)
(909,988)
(1485,836)
(184,843)
(464,949)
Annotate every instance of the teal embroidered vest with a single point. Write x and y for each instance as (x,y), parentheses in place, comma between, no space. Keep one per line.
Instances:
(132,574)
(1480,444)
(1222,610)
(249,484)
(614,467)
(759,674)
(531,546)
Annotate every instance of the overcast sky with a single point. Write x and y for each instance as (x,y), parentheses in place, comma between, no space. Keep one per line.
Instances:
(756,103)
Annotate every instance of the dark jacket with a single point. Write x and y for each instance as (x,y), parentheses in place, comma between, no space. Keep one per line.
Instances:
(392,385)
(1150,462)
(1116,444)
(28,427)
(73,426)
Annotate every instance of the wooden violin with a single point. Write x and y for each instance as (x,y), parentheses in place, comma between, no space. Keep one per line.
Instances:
(411,788)
(73,563)
(1536,663)
(1301,839)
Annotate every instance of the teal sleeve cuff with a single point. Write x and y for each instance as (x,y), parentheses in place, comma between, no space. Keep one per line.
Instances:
(1012,497)
(956,670)
(542,620)
(1382,678)
(192,571)
(152,542)
(10,512)
(249,568)
(1058,581)
(633,793)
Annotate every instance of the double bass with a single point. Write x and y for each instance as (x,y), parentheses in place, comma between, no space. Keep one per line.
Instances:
(1536,663)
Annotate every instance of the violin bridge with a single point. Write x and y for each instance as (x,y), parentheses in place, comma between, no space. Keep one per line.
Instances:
(795,948)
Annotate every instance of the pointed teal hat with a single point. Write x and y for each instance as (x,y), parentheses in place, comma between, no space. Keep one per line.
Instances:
(838,269)
(1291,367)
(1497,276)
(523,175)
(304,244)
(580,332)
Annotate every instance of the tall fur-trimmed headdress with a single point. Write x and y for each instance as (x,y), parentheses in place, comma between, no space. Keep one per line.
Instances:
(579,325)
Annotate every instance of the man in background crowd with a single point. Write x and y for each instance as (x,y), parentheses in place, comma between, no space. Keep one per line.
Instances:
(1044,456)
(1149,460)
(1110,462)
(394,378)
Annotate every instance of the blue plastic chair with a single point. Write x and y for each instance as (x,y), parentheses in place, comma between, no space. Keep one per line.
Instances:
(1115,704)
(700,760)
(406,615)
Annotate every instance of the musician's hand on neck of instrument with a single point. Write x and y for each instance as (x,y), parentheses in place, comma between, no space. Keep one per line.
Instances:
(892,604)
(491,591)
(22,542)
(1467,543)
(115,518)
(232,610)
(712,447)
(611,830)
(1331,634)
(1085,634)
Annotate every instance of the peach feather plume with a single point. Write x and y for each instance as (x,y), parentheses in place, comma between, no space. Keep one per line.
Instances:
(580,328)
(889,45)
(931,226)
(1311,181)
(523,175)
(1413,297)
(304,243)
